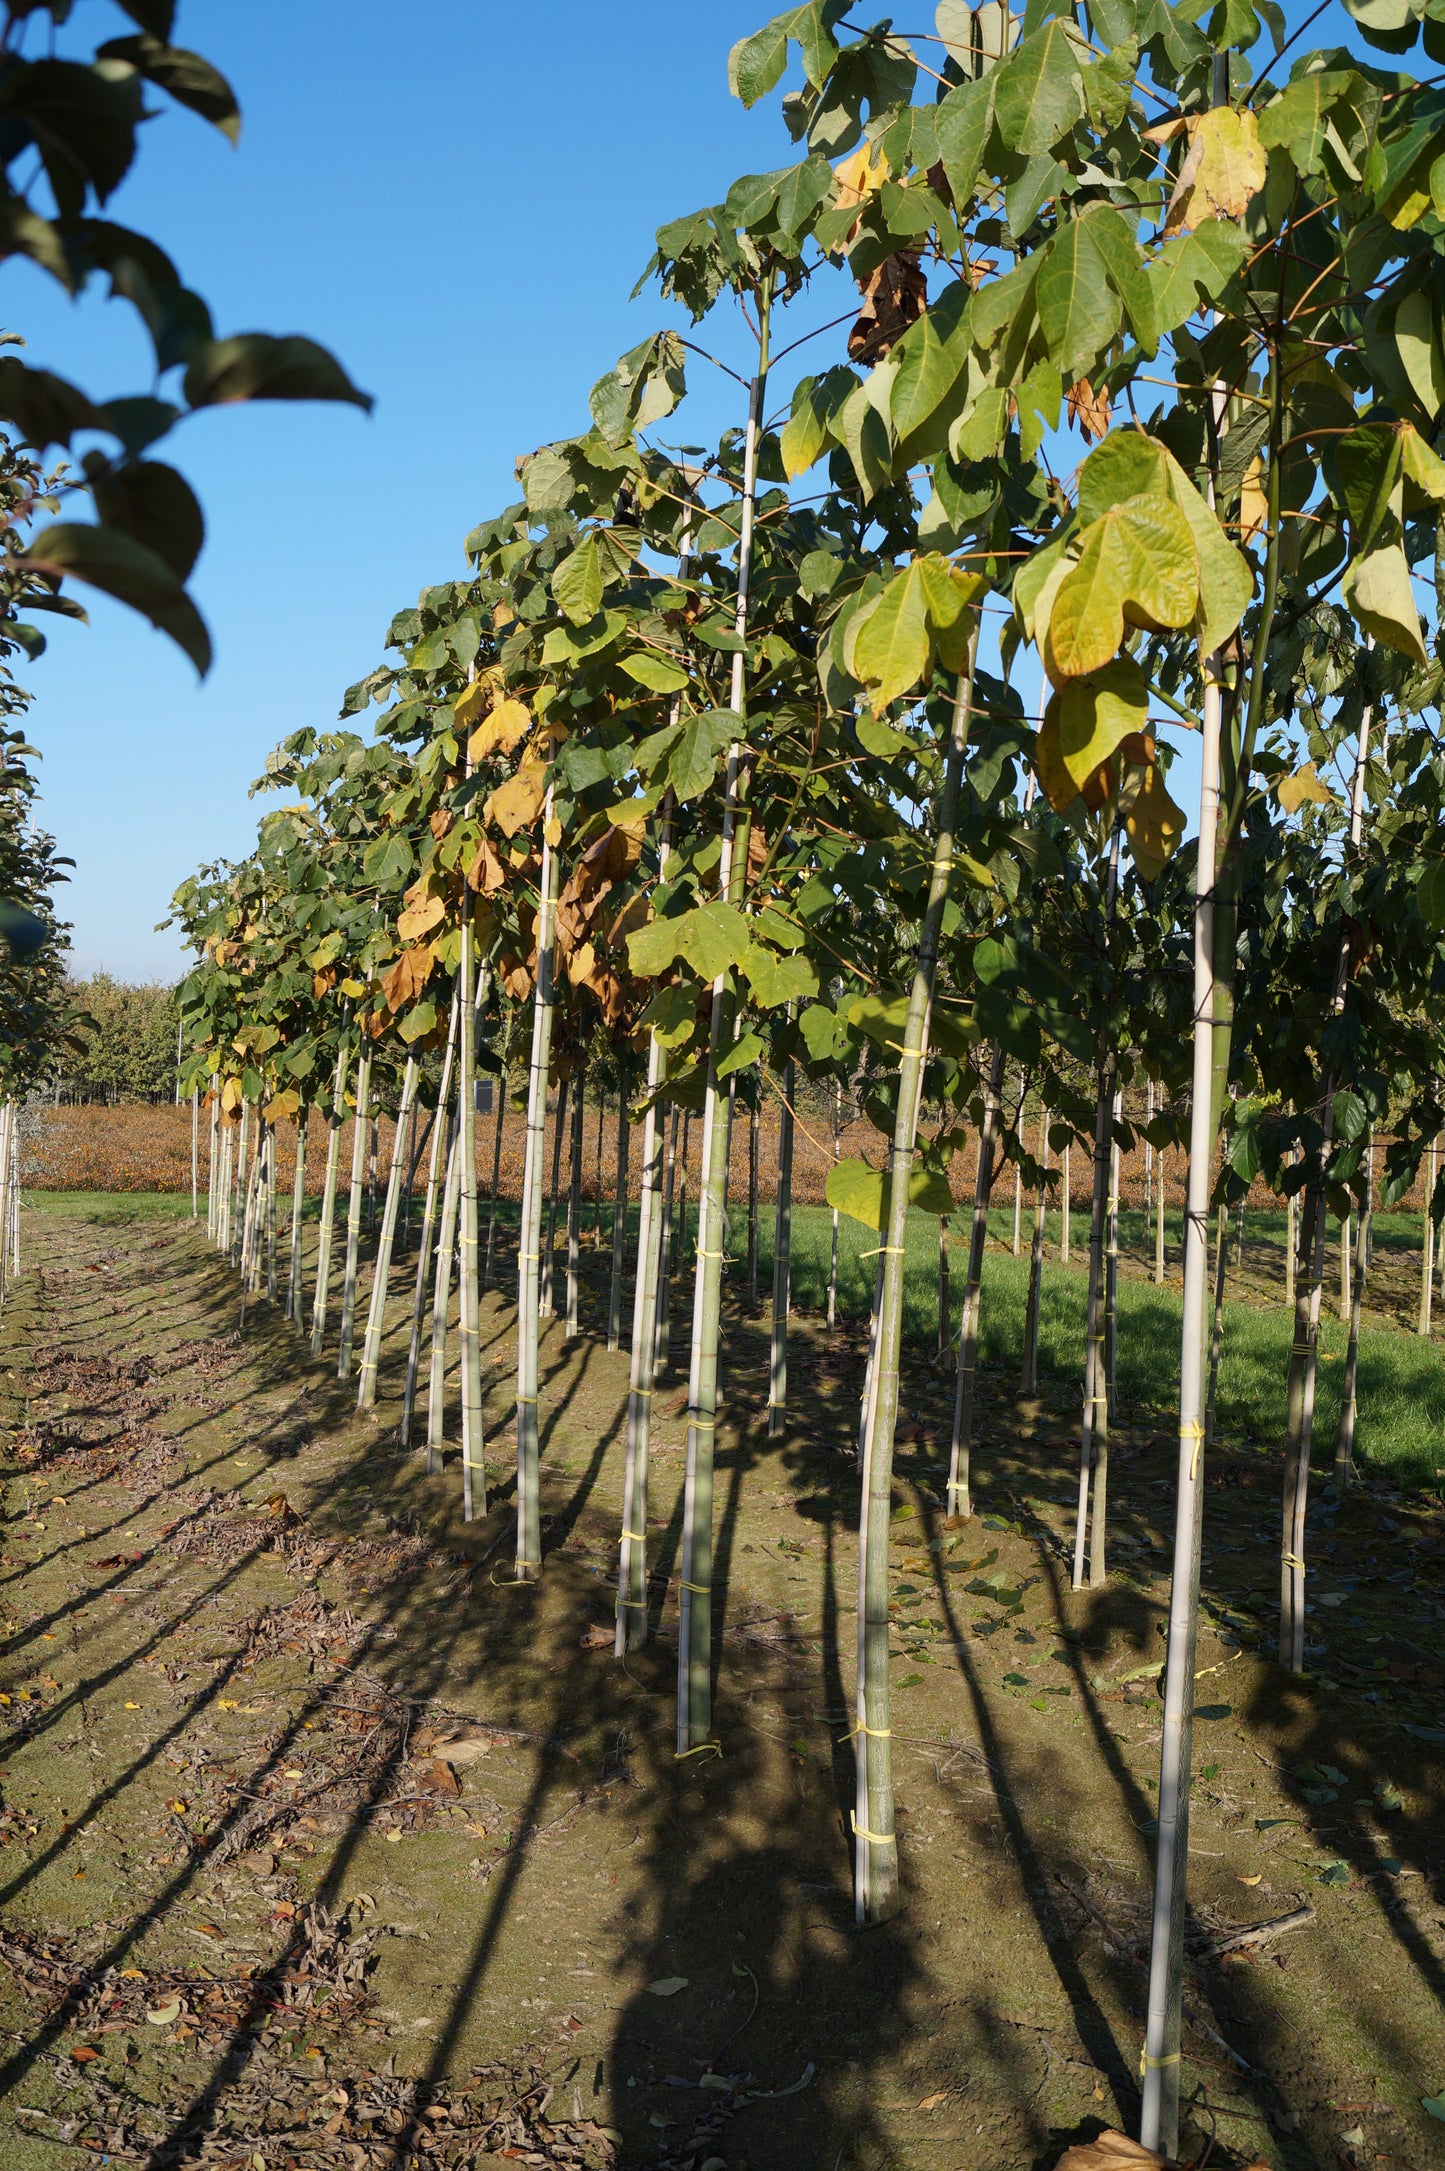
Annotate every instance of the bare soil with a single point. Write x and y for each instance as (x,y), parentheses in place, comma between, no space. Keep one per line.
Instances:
(323,1843)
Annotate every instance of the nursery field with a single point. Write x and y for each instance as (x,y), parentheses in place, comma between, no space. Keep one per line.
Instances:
(324,1842)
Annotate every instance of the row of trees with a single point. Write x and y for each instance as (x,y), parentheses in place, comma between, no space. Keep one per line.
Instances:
(728,756)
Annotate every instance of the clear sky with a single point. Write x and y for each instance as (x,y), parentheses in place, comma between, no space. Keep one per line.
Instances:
(457,197)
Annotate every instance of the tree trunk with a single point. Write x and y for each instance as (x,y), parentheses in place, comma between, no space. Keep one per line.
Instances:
(271,1213)
(496,1163)
(1159,1224)
(1029,1378)
(875,1863)
(1427,1244)
(195,1153)
(1216,1339)
(574,1212)
(1111,1274)
(662,1348)
(353,1213)
(1345,1472)
(440,1123)
(471,997)
(1066,1202)
(212,1193)
(436,1414)
(1299,1425)
(619,1220)
(549,1240)
(960,1496)
(529,1507)
(381,1274)
(754,1119)
(328,1204)
(298,1201)
(833,1255)
(782,1262)
(945,1298)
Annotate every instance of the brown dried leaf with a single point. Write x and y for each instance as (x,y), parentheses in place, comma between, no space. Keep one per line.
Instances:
(894,294)
(1090,409)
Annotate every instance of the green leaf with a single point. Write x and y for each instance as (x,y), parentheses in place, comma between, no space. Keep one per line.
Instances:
(1435,2105)
(655,672)
(931,359)
(1137,565)
(1296,118)
(710,938)
(866,441)
(189,79)
(773,980)
(1430,894)
(1154,824)
(44,408)
(127,570)
(825,1034)
(963,120)
(1192,270)
(925,609)
(418,1021)
(577,582)
(692,764)
(259,366)
(1039,89)
(155,505)
(1078,308)
(1377,589)
(862,1193)
(741,1055)
(756,64)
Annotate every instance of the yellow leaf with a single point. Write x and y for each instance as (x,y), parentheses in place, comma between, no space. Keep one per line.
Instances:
(580,964)
(1293,791)
(862,175)
(1137,566)
(129,1707)
(516,803)
(353,987)
(1254,1880)
(471,706)
(419,918)
(1154,824)
(231,1095)
(1083,726)
(552,833)
(1377,589)
(1223,171)
(500,732)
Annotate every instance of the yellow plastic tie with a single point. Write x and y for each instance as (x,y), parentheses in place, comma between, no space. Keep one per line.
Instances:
(879,1250)
(704,1748)
(874,1733)
(861,1831)
(1157,2065)
(1292,1560)
(704,1588)
(635,1605)
(1191,1431)
(639,1536)
(529,1399)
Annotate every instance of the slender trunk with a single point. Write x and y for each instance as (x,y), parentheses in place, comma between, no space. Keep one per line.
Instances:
(875,1863)
(250,1218)
(1029,1379)
(1345,1241)
(694,1640)
(1159,1223)
(631,1628)
(1216,1339)
(1349,1392)
(619,1219)
(238,1216)
(428,1223)
(271,1213)
(1111,1276)
(663,1349)
(1094,1430)
(833,1255)
(298,1199)
(195,1153)
(529,1507)
(372,1144)
(960,1495)
(328,1204)
(549,1240)
(1299,1427)
(496,1171)
(471,997)
(782,1261)
(869,1398)
(1427,1244)
(574,1212)
(1067,1200)
(754,1120)
(436,1414)
(1018,1208)
(212,1194)
(381,1274)
(353,1213)
(1148,1157)
(1291,1242)
(945,1298)
(597,1173)
(223,1194)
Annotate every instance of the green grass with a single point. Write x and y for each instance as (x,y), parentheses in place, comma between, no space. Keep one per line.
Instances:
(113,1209)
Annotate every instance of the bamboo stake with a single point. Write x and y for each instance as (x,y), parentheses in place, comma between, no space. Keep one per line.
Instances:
(372,1144)
(195,1153)
(1067,1198)
(1427,1243)
(663,1348)
(496,1159)
(694,1640)
(1160,1209)
(1216,1339)
(960,1497)
(441,1304)
(529,1508)
(354,1211)
(782,1259)
(381,1274)
(471,997)
(1291,1240)
(574,1212)
(549,1241)
(869,1399)
(238,1212)
(1094,1428)
(1029,1378)
(754,1119)
(1111,1273)
(833,1255)
(875,1862)
(945,1298)
(428,1222)
(1345,1472)
(328,1203)
(619,1219)
(270,1213)
(212,1194)
(223,1194)
(298,1200)
(1345,1241)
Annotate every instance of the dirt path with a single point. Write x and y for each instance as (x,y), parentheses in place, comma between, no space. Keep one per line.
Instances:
(322,1843)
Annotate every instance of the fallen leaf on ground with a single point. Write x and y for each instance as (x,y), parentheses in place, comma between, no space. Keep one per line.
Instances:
(667,1986)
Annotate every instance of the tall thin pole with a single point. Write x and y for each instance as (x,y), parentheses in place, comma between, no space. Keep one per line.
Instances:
(428,1224)
(471,993)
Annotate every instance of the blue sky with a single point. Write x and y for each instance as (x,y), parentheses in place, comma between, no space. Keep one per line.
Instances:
(455,197)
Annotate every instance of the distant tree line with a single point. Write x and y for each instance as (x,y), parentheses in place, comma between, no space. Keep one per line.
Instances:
(127,1042)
